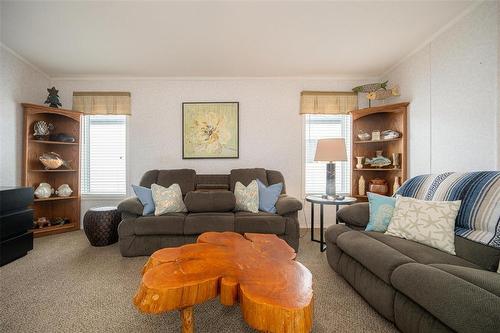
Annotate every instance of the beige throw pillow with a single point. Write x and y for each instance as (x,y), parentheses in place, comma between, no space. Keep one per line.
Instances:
(247,197)
(427,222)
(167,200)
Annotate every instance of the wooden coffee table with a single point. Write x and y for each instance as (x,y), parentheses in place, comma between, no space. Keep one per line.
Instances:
(258,270)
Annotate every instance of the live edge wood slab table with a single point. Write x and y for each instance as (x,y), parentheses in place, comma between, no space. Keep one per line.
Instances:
(258,270)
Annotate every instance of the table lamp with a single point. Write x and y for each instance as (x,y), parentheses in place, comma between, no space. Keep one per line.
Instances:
(330,150)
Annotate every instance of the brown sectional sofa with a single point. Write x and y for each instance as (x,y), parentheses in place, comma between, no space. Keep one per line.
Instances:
(419,288)
(210,202)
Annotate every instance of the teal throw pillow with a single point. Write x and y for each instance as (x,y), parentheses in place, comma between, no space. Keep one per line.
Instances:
(381,210)
(268,195)
(145,196)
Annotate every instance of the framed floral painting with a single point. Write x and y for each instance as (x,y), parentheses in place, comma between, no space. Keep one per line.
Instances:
(210,130)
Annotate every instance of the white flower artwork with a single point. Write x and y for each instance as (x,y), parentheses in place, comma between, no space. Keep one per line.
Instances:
(210,130)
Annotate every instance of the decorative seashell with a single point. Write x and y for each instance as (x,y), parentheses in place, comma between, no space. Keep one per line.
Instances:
(64,190)
(44,190)
(363,136)
(52,160)
(42,128)
(390,134)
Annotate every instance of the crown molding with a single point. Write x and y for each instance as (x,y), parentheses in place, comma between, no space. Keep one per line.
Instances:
(208,78)
(24,60)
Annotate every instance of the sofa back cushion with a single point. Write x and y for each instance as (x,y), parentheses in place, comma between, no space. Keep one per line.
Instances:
(479,192)
(209,201)
(245,176)
(184,177)
(212,182)
(276,177)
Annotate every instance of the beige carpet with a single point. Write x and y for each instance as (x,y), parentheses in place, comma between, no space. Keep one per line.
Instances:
(66,285)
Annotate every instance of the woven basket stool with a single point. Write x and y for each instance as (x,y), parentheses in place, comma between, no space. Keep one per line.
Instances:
(101,225)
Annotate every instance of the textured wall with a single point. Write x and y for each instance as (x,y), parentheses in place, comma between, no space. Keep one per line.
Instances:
(452,86)
(19,83)
(271,130)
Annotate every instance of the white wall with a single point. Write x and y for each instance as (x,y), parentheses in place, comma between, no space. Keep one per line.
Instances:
(271,129)
(19,83)
(451,84)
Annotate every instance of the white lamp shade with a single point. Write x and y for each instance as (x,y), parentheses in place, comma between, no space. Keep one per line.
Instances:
(330,150)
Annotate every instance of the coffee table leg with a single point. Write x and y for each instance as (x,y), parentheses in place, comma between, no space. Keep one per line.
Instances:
(187,320)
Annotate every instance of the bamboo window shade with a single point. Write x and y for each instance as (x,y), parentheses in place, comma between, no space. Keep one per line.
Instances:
(102,103)
(323,102)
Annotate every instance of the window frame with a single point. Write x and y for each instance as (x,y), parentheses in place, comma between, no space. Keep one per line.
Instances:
(105,196)
(347,164)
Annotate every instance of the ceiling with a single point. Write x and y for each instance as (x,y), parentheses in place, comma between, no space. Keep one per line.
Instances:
(221,39)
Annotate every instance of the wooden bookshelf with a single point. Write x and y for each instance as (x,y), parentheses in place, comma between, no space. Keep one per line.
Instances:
(386,117)
(34,173)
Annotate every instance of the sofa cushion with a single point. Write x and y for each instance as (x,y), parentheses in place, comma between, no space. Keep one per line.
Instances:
(489,281)
(168,224)
(460,304)
(261,222)
(209,201)
(376,256)
(245,176)
(186,178)
(198,223)
(419,252)
(482,255)
(357,214)
(275,177)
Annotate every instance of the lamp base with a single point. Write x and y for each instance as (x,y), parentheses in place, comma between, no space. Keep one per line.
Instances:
(330,180)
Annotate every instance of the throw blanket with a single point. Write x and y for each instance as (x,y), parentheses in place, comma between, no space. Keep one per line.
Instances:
(479,215)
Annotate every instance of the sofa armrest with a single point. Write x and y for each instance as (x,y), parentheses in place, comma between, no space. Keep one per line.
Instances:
(131,205)
(287,204)
(357,215)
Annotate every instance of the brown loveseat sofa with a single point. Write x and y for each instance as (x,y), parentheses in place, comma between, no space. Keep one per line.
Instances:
(210,202)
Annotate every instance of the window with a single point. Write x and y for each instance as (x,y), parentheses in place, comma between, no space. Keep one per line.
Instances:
(104,154)
(320,127)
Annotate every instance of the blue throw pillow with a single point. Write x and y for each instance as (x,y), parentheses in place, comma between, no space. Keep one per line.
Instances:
(146,198)
(381,210)
(268,195)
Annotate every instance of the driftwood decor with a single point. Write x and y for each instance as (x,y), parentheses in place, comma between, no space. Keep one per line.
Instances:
(258,270)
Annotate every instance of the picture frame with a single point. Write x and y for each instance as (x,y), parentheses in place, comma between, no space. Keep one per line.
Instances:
(210,130)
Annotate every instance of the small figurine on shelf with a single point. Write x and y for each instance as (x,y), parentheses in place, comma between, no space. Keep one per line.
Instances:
(53,98)
(361,186)
(359,165)
(42,129)
(41,222)
(395,160)
(396,185)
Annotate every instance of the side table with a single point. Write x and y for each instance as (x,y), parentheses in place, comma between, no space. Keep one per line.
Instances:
(101,225)
(318,199)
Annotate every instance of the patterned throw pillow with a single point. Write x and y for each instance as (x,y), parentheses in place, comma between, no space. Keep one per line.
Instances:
(381,210)
(428,222)
(168,200)
(247,198)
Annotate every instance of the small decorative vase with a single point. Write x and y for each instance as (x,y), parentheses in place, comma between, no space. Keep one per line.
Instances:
(44,191)
(361,186)
(396,185)
(64,190)
(395,160)
(378,186)
(359,165)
